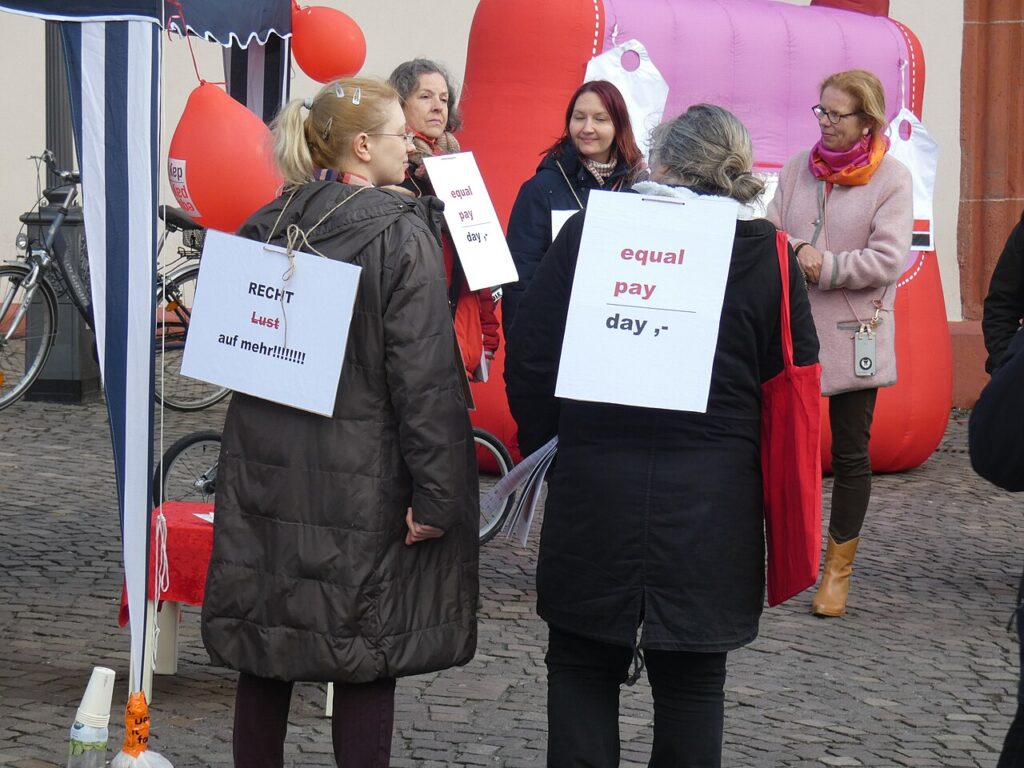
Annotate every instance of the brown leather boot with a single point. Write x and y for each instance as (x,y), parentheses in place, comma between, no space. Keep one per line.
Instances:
(830,599)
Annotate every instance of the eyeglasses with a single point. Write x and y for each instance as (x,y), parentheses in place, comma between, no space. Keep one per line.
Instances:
(833,116)
(407,136)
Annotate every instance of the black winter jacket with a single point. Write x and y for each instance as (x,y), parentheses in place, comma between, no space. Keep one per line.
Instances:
(655,516)
(310,578)
(529,224)
(1004,304)
(996,429)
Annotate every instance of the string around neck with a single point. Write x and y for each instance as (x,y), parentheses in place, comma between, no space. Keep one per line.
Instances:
(294,236)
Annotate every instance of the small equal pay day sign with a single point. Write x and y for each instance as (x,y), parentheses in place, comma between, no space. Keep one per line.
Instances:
(646,302)
(471,219)
(255,332)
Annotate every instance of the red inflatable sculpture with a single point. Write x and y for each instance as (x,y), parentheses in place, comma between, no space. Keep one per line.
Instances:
(764,61)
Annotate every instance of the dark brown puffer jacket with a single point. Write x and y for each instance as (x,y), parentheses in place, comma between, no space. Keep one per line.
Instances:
(310,578)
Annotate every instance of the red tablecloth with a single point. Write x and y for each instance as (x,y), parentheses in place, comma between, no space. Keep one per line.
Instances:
(189,543)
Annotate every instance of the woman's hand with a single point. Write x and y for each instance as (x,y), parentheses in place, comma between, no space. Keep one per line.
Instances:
(809,259)
(418,531)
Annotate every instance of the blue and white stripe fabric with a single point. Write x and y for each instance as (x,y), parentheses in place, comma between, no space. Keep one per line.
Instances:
(258,76)
(112,70)
(112,52)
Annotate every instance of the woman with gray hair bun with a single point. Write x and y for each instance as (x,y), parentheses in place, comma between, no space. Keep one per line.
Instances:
(708,151)
(652,548)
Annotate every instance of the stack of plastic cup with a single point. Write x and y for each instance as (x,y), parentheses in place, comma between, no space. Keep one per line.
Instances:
(87,747)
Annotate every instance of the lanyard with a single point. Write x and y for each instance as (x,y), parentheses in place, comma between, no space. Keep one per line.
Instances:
(820,221)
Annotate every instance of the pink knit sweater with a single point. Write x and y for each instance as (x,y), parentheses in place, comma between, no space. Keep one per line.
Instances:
(864,240)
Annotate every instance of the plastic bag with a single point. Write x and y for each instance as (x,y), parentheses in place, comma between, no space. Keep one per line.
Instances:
(629,67)
(135,751)
(913,146)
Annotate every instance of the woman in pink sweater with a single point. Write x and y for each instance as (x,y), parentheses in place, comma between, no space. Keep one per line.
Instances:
(848,208)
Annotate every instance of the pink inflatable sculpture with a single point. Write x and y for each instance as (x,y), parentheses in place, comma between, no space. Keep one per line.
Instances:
(762,60)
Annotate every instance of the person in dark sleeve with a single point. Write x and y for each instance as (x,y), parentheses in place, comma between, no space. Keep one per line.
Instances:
(597,150)
(1004,304)
(996,439)
(654,518)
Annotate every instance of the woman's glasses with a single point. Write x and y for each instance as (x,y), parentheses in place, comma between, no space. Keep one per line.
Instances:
(408,137)
(833,116)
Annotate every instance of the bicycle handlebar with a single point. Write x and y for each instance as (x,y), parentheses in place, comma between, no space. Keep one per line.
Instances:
(50,160)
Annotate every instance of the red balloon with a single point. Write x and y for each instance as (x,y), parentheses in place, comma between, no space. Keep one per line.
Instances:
(326,43)
(220,165)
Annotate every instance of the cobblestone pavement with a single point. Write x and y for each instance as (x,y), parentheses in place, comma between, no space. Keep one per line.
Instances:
(921,672)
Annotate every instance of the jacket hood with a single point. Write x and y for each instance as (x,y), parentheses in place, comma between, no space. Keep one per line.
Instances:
(567,155)
(362,213)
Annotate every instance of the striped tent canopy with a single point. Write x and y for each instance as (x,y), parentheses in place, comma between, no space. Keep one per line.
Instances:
(109,48)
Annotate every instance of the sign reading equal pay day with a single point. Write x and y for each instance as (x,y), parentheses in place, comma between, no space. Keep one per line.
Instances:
(471,220)
(256,332)
(646,302)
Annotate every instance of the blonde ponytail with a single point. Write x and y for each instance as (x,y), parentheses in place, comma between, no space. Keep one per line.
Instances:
(291,152)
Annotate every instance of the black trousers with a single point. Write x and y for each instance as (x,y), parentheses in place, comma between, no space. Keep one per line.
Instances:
(361,726)
(584,676)
(1013,747)
(850,414)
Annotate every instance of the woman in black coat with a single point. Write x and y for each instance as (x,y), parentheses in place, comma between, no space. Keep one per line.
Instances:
(345,547)
(1004,304)
(996,438)
(653,536)
(596,150)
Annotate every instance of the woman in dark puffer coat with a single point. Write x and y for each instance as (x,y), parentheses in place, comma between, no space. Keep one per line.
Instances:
(597,150)
(654,522)
(345,548)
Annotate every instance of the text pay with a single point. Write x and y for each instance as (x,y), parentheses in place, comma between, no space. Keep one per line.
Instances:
(643,290)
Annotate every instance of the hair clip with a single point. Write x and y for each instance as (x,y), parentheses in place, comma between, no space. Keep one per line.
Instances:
(327,128)
(308,102)
(357,94)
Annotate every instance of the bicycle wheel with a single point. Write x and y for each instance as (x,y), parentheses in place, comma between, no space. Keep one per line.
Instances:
(188,470)
(495,462)
(23,349)
(174,308)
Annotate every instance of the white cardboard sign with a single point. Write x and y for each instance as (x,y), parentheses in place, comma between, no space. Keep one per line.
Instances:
(471,219)
(558,219)
(642,326)
(256,332)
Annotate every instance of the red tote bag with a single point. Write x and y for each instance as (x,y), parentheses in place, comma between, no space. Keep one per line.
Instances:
(791,463)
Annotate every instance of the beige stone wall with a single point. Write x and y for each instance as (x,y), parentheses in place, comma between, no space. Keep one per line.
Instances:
(396,30)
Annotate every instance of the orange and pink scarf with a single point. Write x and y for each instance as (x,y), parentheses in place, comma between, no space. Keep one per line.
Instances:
(852,167)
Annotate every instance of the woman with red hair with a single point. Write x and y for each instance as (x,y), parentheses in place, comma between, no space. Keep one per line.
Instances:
(597,150)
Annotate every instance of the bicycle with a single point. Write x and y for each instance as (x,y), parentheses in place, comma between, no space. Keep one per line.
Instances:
(175,295)
(188,472)
(30,287)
